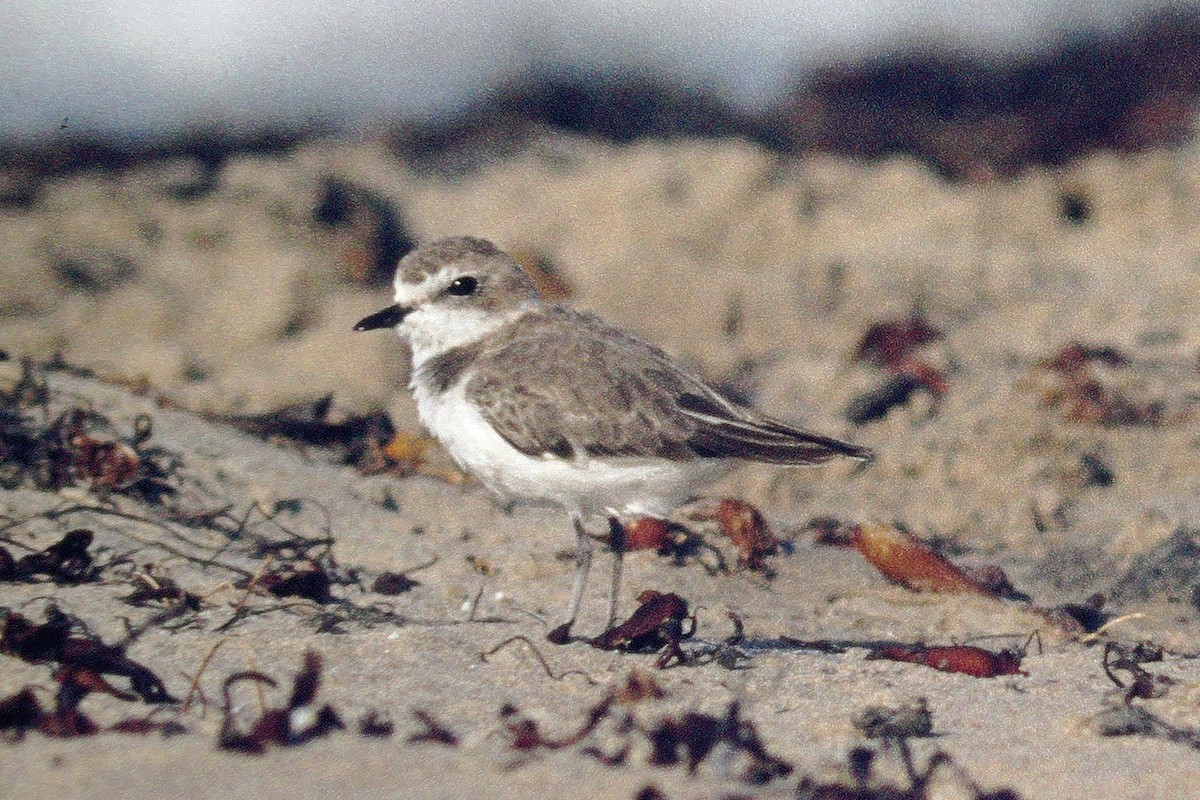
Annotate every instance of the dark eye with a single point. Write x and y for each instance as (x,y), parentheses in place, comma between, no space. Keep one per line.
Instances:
(463,286)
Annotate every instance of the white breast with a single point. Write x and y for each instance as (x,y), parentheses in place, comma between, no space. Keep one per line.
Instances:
(584,486)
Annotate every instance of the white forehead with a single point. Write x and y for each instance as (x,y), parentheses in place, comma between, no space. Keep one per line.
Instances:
(422,275)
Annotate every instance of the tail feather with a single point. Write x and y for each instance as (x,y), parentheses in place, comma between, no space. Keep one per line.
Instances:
(731,432)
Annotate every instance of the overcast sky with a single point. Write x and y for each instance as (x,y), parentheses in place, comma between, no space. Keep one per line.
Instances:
(131,67)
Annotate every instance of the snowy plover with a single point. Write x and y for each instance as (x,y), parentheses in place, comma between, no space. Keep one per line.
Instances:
(552,406)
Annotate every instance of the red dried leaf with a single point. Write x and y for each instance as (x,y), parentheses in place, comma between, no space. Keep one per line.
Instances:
(656,624)
(67,723)
(106,464)
(746,528)
(962,658)
(888,344)
(655,610)
(648,533)
(900,557)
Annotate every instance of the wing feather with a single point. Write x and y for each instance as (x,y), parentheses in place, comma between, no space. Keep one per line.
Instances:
(566,384)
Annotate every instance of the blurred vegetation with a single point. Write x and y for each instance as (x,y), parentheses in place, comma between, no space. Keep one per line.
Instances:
(969,116)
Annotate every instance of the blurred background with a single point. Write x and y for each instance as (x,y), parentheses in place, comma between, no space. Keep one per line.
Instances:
(1041,81)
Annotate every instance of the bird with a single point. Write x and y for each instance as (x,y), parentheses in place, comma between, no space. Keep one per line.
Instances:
(548,405)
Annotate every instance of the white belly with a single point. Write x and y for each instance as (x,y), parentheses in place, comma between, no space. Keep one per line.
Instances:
(592,486)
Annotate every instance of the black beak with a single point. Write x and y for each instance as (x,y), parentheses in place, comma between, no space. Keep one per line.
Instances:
(389,317)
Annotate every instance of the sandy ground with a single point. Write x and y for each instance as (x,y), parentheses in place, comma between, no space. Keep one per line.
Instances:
(764,274)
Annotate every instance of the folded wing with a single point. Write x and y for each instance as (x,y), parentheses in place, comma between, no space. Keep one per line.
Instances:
(566,384)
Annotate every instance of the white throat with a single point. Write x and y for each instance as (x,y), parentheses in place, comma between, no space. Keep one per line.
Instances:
(432,330)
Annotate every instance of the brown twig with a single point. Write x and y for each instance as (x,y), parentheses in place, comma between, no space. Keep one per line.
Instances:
(540,658)
(194,687)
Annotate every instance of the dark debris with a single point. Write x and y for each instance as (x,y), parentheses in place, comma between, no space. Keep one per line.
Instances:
(67,561)
(731,745)
(911,719)
(656,624)
(64,639)
(359,439)
(1141,684)
(893,347)
(433,731)
(1082,393)
(376,725)
(79,447)
(393,583)
(306,579)
(287,726)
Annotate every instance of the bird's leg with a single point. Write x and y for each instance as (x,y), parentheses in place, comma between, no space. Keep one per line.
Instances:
(617,542)
(583,563)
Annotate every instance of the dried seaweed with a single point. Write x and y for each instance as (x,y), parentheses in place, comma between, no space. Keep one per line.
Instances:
(67,561)
(656,624)
(375,725)
(541,659)
(63,639)
(360,439)
(687,739)
(305,579)
(288,726)
(23,712)
(433,731)
(79,447)
(151,588)
(1081,393)
(143,726)
(892,346)
(1142,684)
(393,583)
(923,784)
(19,713)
